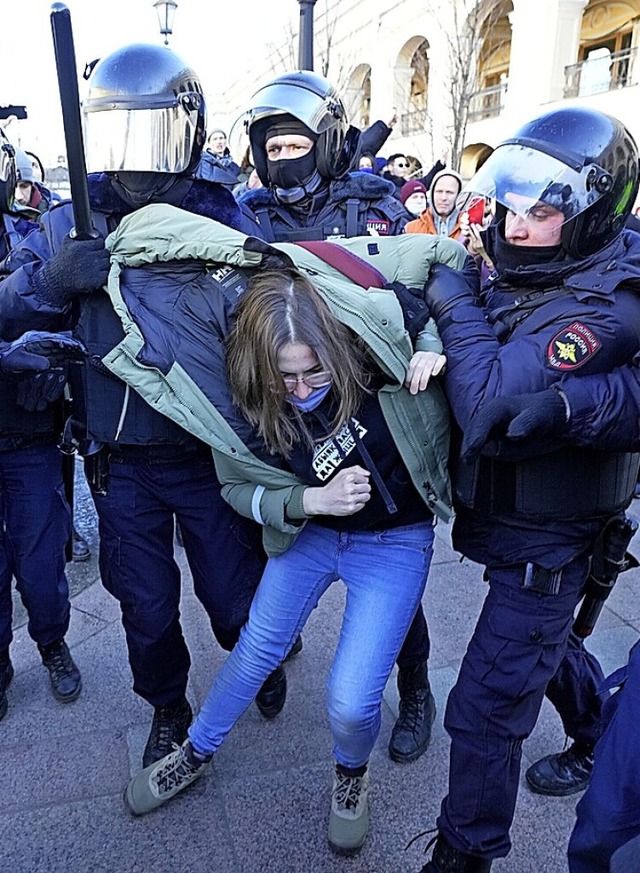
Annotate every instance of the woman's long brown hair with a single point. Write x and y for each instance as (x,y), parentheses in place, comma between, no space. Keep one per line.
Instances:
(278,308)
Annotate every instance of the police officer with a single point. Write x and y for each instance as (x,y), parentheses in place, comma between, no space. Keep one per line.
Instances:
(34,517)
(563,300)
(303,147)
(601,412)
(144,119)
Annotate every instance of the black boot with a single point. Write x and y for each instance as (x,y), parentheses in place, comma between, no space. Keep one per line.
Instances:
(6,675)
(271,697)
(412,731)
(80,547)
(295,649)
(446,859)
(64,676)
(562,774)
(170,725)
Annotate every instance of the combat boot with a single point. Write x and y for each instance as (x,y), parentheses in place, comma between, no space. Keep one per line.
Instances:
(79,547)
(64,676)
(564,773)
(412,731)
(271,697)
(6,675)
(446,859)
(169,729)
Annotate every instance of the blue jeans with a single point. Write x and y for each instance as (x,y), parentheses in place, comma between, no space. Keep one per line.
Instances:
(137,565)
(34,528)
(385,573)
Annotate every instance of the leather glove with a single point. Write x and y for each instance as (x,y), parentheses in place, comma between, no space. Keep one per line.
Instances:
(78,267)
(521,417)
(37,350)
(37,392)
(447,288)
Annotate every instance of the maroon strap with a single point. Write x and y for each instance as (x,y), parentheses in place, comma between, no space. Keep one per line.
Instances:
(350,265)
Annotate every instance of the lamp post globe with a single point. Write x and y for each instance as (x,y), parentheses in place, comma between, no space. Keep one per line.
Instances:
(165,10)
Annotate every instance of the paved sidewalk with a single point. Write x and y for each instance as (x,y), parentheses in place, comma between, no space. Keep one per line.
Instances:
(263,806)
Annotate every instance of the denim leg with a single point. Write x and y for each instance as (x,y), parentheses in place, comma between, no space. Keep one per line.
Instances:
(138,568)
(38,524)
(516,647)
(288,592)
(224,552)
(385,574)
(608,814)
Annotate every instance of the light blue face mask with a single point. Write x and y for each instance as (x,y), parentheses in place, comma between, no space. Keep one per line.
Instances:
(312,401)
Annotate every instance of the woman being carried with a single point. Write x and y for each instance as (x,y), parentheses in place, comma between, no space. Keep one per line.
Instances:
(363,458)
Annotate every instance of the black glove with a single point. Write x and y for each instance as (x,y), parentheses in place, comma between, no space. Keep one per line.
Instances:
(37,392)
(521,417)
(79,266)
(446,288)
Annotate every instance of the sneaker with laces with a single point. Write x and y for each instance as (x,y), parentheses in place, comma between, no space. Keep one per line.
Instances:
(349,816)
(168,729)
(66,683)
(156,784)
(563,773)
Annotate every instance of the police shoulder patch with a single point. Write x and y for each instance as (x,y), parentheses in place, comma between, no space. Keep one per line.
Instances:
(572,347)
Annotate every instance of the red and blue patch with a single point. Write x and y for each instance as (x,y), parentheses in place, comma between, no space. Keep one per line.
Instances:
(572,347)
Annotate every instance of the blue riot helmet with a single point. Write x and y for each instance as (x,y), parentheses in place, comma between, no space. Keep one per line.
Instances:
(580,161)
(144,113)
(7,174)
(312,101)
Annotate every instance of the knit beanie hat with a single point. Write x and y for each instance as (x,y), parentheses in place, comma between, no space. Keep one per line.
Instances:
(281,125)
(412,187)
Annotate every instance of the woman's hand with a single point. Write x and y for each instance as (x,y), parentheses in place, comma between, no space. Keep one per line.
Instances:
(346,494)
(422,366)
(474,240)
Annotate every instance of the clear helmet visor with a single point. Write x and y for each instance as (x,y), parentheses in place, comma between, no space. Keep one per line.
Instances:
(521,178)
(157,140)
(318,113)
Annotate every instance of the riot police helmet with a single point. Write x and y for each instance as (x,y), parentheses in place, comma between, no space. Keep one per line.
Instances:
(312,100)
(144,112)
(7,174)
(580,161)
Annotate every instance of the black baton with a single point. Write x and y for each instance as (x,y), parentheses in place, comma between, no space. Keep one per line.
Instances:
(70,103)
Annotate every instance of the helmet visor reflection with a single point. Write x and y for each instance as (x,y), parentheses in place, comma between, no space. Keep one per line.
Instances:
(153,140)
(520,177)
(318,113)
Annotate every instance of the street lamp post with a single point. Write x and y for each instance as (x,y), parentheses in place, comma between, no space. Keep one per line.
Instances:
(165,10)
(305,51)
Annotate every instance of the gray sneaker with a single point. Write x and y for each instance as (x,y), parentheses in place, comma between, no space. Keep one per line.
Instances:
(161,781)
(349,816)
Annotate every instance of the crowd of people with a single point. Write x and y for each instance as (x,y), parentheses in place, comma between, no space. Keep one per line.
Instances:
(301,363)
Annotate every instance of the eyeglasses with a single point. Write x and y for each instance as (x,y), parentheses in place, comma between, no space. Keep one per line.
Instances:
(311,380)
(398,164)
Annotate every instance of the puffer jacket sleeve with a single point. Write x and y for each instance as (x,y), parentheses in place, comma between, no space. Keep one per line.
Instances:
(278,508)
(605,410)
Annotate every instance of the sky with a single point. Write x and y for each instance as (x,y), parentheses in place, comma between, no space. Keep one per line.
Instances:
(217,38)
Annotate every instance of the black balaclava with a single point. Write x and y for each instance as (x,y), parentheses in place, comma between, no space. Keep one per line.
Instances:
(139,188)
(293,178)
(506,256)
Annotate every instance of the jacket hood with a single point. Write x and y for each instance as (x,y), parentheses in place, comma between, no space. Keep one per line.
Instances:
(439,175)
